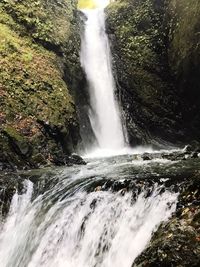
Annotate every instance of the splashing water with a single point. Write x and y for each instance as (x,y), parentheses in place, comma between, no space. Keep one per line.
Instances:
(67,226)
(96,61)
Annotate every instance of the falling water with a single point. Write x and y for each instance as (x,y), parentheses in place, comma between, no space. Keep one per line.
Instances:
(96,61)
(73,225)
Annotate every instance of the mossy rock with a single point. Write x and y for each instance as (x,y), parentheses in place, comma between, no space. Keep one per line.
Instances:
(39,52)
(155,48)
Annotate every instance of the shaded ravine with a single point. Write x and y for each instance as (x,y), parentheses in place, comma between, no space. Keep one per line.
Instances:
(85,218)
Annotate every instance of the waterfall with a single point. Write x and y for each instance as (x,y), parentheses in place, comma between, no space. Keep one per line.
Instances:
(96,60)
(76,226)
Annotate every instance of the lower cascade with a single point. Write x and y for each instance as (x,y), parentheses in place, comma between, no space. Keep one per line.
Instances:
(96,61)
(86,217)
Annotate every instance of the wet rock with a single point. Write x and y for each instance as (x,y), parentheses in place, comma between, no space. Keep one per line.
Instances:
(59,159)
(76,159)
(179,155)
(117,186)
(173,156)
(194,155)
(93,204)
(107,185)
(17,142)
(8,187)
(146,156)
(123,191)
(188,149)
(156,65)
(176,242)
(120,185)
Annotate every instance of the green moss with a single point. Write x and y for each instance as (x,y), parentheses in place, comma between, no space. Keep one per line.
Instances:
(140,42)
(136,26)
(184,34)
(10,131)
(36,42)
(31,79)
(42,20)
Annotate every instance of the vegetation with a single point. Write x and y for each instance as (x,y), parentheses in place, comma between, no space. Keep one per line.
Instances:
(155,46)
(35,101)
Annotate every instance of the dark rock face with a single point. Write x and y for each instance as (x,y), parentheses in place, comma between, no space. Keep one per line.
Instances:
(39,67)
(184,57)
(154,44)
(8,188)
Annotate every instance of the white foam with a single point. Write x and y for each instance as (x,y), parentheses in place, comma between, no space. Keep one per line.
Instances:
(73,232)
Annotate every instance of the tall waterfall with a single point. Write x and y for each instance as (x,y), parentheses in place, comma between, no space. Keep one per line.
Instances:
(96,61)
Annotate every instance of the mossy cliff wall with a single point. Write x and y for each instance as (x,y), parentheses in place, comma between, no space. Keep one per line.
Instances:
(155,46)
(39,64)
(184,57)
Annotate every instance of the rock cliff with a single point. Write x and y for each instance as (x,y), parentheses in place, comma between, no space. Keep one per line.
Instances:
(155,47)
(39,66)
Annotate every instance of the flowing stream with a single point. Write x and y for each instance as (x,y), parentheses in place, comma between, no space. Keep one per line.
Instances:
(96,61)
(82,220)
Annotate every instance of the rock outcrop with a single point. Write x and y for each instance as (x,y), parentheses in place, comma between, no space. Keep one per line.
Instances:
(39,66)
(156,48)
(177,242)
